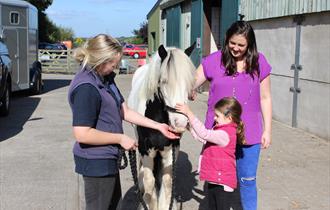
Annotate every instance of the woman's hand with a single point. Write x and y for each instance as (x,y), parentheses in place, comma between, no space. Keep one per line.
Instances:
(266,139)
(168,131)
(193,95)
(128,143)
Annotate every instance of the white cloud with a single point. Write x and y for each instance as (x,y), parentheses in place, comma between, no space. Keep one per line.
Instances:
(61,14)
(65,14)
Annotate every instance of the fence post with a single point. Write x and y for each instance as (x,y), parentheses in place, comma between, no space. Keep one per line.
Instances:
(68,61)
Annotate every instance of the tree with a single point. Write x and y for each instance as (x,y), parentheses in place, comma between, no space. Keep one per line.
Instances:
(61,34)
(142,32)
(42,5)
(79,41)
(66,33)
(46,27)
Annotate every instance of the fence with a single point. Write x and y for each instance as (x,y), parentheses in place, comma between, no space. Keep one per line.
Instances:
(58,61)
(61,61)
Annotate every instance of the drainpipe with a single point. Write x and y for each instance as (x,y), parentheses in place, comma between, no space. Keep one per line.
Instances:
(296,67)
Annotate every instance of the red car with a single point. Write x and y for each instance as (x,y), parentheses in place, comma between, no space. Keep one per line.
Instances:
(135,51)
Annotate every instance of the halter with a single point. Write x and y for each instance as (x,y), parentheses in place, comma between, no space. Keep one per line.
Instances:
(167,107)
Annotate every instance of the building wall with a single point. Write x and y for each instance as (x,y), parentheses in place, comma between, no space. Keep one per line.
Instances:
(261,9)
(196,30)
(153,26)
(276,38)
(185,24)
(173,26)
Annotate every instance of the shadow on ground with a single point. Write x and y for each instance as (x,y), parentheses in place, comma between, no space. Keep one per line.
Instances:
(186,187)
(53,84)
(22,106)
(21,110)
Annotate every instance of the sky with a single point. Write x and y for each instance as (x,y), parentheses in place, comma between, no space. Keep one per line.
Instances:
(90,17)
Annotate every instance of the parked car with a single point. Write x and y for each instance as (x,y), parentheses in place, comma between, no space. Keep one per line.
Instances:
(54,49)
(49,46)
(135,51)
(5,79)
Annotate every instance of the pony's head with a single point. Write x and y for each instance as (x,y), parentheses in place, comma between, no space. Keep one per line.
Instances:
(170,76)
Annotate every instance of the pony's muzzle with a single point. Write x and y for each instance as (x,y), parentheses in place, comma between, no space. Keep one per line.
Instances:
(179,130)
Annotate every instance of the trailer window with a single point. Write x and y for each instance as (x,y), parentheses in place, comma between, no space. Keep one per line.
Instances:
(14,18)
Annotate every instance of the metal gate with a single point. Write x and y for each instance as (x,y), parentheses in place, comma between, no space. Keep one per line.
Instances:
(58,61)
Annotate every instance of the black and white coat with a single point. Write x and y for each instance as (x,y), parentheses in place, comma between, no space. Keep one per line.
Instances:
(167,80)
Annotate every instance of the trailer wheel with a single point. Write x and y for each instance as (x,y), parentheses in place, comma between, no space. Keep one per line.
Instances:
(37,87)
(5,101)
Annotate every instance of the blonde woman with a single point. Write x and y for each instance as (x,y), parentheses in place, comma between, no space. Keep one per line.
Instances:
(98,109)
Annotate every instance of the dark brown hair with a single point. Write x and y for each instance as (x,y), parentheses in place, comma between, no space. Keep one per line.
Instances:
(229,106)
(251,54)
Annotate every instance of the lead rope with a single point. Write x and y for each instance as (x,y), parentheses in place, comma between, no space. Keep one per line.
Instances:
(132,162)
(122,156)
(173,178)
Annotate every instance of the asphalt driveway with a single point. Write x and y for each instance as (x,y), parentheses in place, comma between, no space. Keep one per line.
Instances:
(37,171)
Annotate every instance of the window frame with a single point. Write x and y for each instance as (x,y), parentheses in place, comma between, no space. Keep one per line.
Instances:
(18,17)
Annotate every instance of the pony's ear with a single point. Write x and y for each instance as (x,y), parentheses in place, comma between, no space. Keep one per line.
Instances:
(189,50)
(162,52)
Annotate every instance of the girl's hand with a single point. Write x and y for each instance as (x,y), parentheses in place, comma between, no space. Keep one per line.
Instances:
(183,108)
(128,143)
(168,131)
(266,139)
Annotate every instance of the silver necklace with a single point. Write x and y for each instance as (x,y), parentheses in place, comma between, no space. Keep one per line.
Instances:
(235,89)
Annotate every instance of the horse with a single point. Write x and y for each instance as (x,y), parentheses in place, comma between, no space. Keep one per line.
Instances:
(156,87)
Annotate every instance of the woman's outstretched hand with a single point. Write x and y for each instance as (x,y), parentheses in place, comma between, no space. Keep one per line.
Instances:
(168,131)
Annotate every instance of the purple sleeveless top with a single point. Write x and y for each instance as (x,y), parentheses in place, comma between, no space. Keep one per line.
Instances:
(243,87)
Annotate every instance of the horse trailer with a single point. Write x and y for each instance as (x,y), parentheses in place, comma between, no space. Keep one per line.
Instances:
(19,31)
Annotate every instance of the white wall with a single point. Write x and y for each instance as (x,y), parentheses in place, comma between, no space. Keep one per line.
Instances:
(276,39)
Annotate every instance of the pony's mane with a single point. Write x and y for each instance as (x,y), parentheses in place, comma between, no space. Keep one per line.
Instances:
(175,74)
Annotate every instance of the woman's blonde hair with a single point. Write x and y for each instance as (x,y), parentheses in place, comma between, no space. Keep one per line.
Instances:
(98,50)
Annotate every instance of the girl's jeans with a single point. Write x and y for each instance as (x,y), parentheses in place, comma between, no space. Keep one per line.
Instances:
(247,165)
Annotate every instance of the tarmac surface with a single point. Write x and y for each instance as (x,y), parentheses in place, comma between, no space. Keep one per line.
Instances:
(37,169)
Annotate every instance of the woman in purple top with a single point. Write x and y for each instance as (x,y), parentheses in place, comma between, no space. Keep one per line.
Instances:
(238,70)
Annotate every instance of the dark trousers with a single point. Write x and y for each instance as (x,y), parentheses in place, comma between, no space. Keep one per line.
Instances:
(218,198)
(102,193)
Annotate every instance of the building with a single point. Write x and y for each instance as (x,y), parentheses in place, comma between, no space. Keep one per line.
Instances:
(292,34)
(153,18)
(180,23)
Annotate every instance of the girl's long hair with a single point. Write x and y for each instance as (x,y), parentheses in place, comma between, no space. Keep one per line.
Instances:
(98,50)
(229,106)
(251,54)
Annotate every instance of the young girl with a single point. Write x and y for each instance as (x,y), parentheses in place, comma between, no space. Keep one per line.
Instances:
(218,161)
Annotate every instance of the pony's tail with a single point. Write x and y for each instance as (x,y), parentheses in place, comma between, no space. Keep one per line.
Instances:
(240,133)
